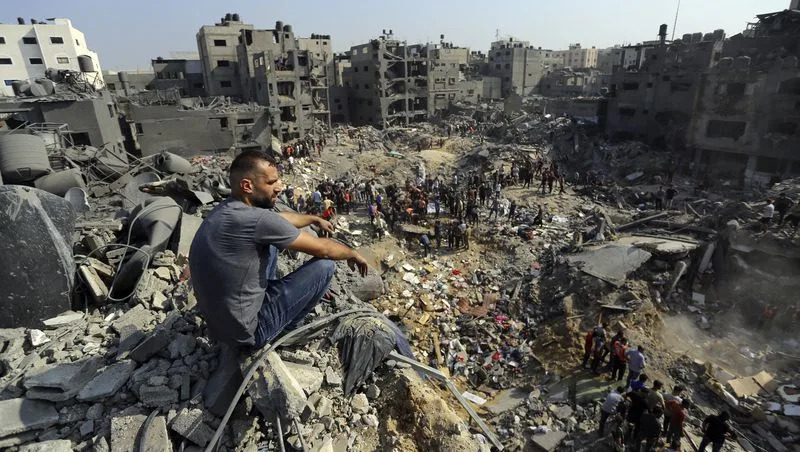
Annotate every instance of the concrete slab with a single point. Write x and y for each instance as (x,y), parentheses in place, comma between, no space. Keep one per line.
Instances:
(611,263)
(108,382)
(66,318)
(125,434)
(60,382)
(546,442)
(275,390)
(21,415)
(507,399)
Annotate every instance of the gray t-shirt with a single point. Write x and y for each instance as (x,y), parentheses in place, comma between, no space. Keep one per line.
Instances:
(228,261)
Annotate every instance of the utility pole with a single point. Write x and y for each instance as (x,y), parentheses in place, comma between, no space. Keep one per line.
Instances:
(675,24)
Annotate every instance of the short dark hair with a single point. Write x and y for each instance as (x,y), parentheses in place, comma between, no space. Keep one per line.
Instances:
(244,163)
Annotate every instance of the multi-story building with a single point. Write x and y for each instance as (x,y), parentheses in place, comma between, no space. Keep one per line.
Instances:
(608,59)
(289,75)
(448,66)
(577,57)
(570,82)
(387,82)
(182,71)
(29,50)
(520,66)
(125,83)
(217,46)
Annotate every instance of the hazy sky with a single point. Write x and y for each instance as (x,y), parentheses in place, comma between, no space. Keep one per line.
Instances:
(127,34)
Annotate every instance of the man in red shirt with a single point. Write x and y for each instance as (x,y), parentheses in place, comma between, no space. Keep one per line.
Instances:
(677,410)
(618,360)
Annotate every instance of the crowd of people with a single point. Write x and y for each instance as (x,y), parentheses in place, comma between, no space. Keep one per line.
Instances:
(640,415)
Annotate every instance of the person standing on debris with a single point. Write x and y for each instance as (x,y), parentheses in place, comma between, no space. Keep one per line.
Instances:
(767,214)
(676,395)
(437,233)
(638,405)
(675,415)
(463,230)
(671,192)
(233,259)
(588,342)
(425,241)
(636,363)
(715,431)
(639,383)
(620,347)
(599,343)
(649,429)
(659,198)
(512,210)
(609,407)
(655,399)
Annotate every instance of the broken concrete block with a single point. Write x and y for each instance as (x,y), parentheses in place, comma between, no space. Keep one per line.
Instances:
(547,442)
(224,381)
(56,445)
(368,288)
(66,318)
(189,424)
(309,377)
(126,437)
(157,396)
(360,404)
(137,316)
(21,415)
(276,391)
(108,382)
(160,302)
(152,344)
(324,407)
(332,377)
(182,345)
(37,337)
(97,288)
(60,382)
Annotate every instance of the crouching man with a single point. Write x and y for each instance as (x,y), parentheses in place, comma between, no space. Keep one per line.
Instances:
(233,259)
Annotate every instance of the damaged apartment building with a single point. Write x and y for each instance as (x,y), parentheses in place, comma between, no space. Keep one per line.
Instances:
(520,66)
(732,103)
(271,67)
(389,82)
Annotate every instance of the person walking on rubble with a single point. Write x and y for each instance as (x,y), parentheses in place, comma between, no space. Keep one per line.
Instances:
(671,192)
(618,361)
(636,363)
(599,343)
(678,412)
(659,198)
(715,431)
(609,407)
(766,215)
(233,259)
(437,233)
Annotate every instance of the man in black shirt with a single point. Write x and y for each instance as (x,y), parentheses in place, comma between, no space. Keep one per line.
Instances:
(715,430)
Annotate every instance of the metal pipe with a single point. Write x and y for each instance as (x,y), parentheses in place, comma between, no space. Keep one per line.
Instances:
(281,446)
(299,434)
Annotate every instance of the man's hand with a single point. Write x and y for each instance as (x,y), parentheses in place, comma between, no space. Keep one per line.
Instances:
(325,225)
(358,261)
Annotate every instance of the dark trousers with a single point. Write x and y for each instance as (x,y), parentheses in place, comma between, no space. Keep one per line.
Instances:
(631,376)
(617,368)
(289,299)
(603,418)
(716,446)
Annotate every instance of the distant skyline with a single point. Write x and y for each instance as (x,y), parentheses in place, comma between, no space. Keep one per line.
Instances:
(128,35)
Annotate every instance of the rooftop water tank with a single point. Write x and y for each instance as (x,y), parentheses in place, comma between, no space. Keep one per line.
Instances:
(23,158)
(85,63)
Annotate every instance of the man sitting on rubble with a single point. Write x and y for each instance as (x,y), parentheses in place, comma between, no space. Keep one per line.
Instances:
(233,259)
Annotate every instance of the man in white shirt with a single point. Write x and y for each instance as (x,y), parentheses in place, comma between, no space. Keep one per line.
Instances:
(767,214)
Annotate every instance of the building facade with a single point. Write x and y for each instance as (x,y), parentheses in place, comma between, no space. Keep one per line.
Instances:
(570,82)
(577,57)
(520,66)
(183,71)
(217,45)
(28,50)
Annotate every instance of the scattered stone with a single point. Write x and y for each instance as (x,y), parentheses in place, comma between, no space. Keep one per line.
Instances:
(189,424)
(324,406)
(37,337)
(108,382)
(275,390)
(182,345)
(95,411)
(152,344)
(332,377)
(372,392)
(360,404)
(86,428)
(370,420)
(309,377)
(21,415)
(56,445)
(157,396)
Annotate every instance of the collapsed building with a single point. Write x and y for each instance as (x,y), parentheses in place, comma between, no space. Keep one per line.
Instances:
(725,102)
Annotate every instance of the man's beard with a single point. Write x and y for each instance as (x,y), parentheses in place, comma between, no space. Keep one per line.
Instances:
(263,202)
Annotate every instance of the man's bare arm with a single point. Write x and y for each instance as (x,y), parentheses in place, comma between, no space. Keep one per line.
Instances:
(329,249)
(299,220)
